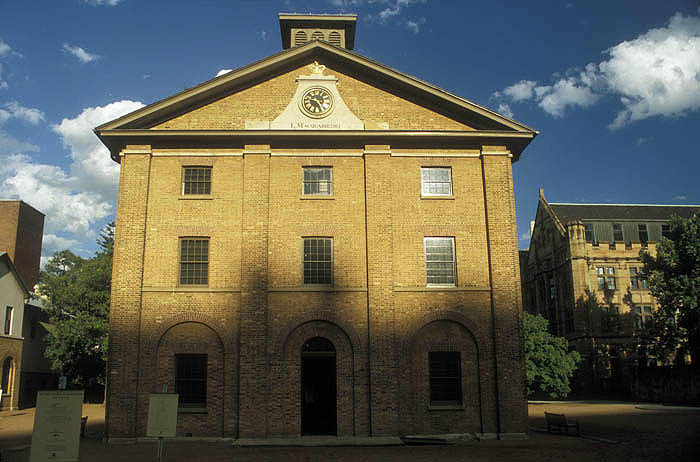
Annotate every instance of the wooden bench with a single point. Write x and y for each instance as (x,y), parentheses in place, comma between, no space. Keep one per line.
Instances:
(559,422)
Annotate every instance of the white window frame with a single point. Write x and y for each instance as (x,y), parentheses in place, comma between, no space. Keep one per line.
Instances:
(183,189)
(304,260)
(425,183)
(9,313)
(451,240)
(328,183)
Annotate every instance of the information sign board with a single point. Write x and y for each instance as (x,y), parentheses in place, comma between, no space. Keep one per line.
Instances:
(162,415)
(56,435)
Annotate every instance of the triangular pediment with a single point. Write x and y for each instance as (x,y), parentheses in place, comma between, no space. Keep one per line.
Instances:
(373,96)
(291,63)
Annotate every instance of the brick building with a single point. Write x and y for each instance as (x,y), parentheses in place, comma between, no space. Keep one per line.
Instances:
(316,244)
(583,273)
(21,232)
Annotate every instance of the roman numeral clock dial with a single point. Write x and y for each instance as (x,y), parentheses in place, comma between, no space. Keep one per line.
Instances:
(317,102)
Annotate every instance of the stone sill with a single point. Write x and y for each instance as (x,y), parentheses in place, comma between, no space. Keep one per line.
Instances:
(316,289)
(443,198)
(192,410)
(11,337)
(446,407)
(443,289)
(190,289)
(200,197)
(317,198)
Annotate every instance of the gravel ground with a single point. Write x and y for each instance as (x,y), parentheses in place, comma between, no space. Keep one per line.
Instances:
(611,431)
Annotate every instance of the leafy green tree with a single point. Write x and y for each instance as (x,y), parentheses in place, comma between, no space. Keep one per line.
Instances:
(549,363)
(674,279)
(77,300)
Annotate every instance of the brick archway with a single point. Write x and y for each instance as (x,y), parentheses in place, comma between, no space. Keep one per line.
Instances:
(286,377)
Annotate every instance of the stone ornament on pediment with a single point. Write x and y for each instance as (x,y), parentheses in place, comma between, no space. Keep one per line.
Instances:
(316,105)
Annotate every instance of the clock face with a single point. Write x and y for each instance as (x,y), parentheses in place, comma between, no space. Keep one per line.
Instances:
(317,102)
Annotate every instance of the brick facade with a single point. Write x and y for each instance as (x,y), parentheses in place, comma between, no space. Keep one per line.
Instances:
(255,313)
(21,233)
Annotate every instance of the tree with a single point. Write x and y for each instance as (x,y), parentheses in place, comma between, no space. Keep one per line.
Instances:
(674,279)
(77,300)
(549,364)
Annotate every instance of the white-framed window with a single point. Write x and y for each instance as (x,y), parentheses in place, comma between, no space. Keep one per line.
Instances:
(194,261)
(643,234)
(606,278)
(8,320)
(317,181)
(609,318)
(637,279)
(440,261)
(196,180)
(436,181)
(318,260)
(643,316)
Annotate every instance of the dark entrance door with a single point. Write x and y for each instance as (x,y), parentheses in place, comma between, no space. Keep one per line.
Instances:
(318,393)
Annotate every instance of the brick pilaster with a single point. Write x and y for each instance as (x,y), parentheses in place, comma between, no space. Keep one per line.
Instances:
(125,304)
(253,324)
(505,290)
(383,347)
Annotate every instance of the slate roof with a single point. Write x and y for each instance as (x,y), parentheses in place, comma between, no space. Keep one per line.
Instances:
(620,212)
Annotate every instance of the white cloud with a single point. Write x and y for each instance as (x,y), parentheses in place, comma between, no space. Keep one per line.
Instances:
(414,26)
(53,192)
(3,84)
(262,35)
(9,145)
(658,73)
(16,110)
(390,9)
(505,109)
(92,164)
(346,3)
(564,93)
(525,236)
(52,243)
(655,74)
(78,52)
(520,91)
(6,50)
(680,197)
(223,71)
(642,140)
(102,2)
(77,199)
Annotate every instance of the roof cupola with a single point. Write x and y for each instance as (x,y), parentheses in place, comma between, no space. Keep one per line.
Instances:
(336,29)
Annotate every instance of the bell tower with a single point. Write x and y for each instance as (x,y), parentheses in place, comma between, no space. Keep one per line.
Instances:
(336,29)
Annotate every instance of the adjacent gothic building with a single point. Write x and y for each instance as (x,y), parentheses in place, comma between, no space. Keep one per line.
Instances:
(583,273)
(316,243)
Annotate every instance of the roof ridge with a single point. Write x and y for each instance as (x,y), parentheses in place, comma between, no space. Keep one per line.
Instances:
(625,205)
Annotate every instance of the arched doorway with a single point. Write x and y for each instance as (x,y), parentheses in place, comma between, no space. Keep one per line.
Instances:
(318,387)
(6,384)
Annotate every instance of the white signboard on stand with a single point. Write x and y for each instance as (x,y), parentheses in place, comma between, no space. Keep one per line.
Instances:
(162,415)
(56,435)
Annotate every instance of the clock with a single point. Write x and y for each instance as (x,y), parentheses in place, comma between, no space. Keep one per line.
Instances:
(317,102)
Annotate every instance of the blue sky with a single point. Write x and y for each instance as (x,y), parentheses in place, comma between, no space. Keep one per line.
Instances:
(612,86)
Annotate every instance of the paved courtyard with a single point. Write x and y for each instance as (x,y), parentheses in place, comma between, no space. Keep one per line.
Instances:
(611,431)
